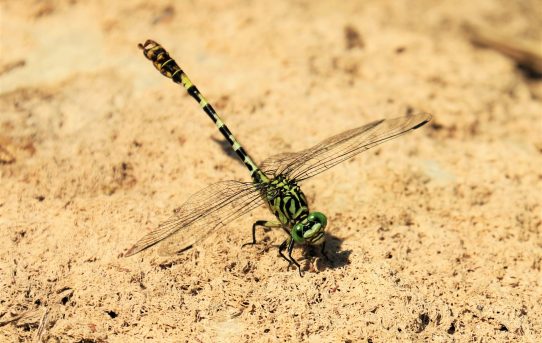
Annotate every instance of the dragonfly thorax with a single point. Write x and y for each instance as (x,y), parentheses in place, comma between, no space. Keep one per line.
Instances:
(288,203)
(286,200)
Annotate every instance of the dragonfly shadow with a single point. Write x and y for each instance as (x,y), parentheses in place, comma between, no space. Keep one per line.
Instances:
(225,146)
(336,257)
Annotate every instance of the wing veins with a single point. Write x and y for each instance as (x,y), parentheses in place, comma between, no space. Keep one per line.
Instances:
(203,228)
(358,144)
(200,207)
(336,149)
(317,168)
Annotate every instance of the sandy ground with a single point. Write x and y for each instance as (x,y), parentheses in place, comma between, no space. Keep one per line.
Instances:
(436,236)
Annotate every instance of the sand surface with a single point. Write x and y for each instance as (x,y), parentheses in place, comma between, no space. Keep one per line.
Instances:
(435,236)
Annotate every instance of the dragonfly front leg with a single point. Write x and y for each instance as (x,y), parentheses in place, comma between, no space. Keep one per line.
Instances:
(283,247)
(264,223)
(289,244)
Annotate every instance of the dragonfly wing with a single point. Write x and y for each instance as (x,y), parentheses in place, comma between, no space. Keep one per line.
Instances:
(276,164)
(334,150)
(202,229)
(212,206)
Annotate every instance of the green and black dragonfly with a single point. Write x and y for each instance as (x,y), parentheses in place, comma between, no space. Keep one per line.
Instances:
(274,182)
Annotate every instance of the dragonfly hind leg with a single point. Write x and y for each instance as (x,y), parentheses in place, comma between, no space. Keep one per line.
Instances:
(262,223)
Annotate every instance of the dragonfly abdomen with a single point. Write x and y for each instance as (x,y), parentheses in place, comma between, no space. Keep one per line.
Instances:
(169,68)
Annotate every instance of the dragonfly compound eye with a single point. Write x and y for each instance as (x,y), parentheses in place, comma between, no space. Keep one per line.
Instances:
(298,233)
(317,218)
(311,229)
(314,233)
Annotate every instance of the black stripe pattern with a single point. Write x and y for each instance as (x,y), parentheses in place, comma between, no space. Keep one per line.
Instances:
(169,68)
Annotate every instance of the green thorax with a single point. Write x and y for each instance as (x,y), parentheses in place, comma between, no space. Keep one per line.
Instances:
(286,200)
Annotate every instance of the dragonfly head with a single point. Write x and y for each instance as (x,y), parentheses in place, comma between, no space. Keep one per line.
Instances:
(310,230)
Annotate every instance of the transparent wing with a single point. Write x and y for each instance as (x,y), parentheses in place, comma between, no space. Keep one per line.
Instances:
(204,211)
(334,150)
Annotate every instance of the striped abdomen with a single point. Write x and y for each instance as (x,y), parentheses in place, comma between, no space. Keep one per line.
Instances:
(169,68)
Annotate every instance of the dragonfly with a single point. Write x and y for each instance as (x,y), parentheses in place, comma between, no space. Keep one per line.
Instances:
(274,182)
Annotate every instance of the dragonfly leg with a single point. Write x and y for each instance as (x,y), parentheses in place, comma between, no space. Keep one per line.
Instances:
(263,223)
(282,247)
(289,245)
